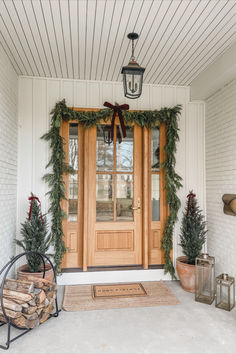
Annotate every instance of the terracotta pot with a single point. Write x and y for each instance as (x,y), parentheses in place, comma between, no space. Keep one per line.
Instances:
(23,272)
(186,273)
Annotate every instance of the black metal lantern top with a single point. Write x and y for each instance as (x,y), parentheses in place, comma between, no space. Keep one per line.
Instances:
(132,74)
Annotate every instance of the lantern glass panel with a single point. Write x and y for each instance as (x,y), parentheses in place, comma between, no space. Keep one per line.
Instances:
(132,83)
(225,292)
(205,275)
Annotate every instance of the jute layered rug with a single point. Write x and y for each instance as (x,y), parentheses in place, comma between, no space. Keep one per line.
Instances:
(113,296)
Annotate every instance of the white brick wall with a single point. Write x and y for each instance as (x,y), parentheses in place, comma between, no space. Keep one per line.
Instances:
(8,157)
(221,176)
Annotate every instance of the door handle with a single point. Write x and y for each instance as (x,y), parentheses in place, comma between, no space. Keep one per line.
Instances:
(137,207)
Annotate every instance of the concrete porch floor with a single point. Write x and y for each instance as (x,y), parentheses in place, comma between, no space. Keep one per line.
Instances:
(186,328)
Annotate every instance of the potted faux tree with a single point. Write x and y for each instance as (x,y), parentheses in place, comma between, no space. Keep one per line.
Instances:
(192,238)
(35,237)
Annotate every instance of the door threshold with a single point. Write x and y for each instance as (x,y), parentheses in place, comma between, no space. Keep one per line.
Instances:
(112,268)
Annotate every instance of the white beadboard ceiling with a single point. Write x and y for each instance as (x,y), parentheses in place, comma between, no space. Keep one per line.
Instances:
(87,39)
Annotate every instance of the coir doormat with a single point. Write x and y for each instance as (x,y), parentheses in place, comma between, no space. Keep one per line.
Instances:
(118,290)
(81,297)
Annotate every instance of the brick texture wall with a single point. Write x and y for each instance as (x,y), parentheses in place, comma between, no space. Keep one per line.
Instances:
(8,157)
(221,176)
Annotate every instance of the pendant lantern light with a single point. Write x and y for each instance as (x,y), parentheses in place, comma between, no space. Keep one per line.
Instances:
(132,74)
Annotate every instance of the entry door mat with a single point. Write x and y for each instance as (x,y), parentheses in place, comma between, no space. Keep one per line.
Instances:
(81,298)
(118,290)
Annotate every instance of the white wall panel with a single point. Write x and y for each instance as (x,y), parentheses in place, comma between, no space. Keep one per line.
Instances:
(38,96)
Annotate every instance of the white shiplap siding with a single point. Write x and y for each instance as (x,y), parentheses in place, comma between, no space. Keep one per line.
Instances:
(37,96)
(8,157)
(221,176)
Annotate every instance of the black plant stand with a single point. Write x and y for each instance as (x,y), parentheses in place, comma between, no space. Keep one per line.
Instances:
(9,324)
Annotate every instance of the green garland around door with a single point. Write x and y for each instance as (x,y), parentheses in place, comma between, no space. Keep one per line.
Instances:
(147,119)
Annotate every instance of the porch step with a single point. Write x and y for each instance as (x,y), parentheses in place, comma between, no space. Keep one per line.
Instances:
(120,276)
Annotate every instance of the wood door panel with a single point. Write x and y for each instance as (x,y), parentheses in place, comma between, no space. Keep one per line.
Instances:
(114,240)
(156,239)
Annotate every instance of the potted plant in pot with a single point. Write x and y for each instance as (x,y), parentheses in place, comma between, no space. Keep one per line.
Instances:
(35,237)
(192,238)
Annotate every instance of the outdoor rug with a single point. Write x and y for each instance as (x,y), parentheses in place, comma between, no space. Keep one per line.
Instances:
(103,296)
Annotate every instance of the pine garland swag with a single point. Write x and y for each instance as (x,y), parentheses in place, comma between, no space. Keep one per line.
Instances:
(89,119)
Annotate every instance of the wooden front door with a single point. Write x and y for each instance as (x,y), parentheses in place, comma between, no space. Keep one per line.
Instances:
(116,199)
(114,193)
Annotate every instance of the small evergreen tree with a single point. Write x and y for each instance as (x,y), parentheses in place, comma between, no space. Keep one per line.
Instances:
(193,229)
(34,235)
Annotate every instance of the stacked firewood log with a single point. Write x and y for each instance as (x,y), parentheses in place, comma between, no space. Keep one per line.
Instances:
(28,303)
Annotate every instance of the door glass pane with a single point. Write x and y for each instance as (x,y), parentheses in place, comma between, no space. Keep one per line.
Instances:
(124,150)
(124,198)
(73,145)
(104,198)
(104,148)
(155,149)
(155,197)
(73,198)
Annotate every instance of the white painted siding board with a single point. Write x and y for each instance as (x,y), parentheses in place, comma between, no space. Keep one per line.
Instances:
(8,53)
(82,36)
(93,94)
(73,7)
(56,18)
(147,25)
(30,15)
(181,166)
(168,96)
(28,34)
(67,37)
(112,39)
(121,34)
(202,33)
(40,125)
(172,43)
(156,93)
(7,8)
(17,54)
(206,46)
(92,8)
(80,94)
(107,93)
(135,23)
(144,100)
(52,37)
(53,93)
(97,39)
(68,92)
(45,42)
(114,22)
(118,93)
(177,13)
(109,13)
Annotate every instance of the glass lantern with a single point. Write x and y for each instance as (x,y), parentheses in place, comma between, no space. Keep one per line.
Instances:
(205,275)
(132,74)
(225,292)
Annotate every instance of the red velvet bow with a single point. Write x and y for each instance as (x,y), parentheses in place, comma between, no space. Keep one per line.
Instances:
(31,207)
(191,195)
(118,110)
